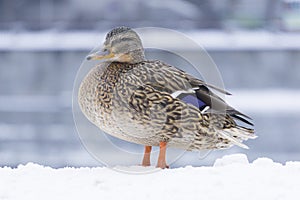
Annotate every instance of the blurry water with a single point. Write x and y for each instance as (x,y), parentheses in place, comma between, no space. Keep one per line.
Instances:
(36,122)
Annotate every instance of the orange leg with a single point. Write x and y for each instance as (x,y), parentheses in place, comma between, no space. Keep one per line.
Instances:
(146,159)
(162,156)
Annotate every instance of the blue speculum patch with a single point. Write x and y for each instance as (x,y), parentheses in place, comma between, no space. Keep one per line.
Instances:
(192,99)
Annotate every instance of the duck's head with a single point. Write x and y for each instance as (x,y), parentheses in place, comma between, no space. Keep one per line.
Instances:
(121,44)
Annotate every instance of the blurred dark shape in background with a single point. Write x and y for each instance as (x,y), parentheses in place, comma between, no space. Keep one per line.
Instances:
(43,42)
(66,15)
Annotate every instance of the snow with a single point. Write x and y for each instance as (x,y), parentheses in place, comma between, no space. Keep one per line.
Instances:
(210,40)
(231,177)
(258,101)
(254,101)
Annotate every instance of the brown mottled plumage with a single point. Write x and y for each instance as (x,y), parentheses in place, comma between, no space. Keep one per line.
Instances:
(136,100)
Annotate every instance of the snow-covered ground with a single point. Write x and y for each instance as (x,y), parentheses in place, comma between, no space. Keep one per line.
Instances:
(210,40)
(231,177)
(257,101)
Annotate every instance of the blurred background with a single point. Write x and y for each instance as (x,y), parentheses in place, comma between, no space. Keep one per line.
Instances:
(255,44)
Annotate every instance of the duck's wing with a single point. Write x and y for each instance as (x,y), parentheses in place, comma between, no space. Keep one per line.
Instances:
(191,90)
(174,118)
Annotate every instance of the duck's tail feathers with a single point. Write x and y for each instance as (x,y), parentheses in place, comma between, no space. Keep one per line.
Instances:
(239,116)
(242,119)
(237,135)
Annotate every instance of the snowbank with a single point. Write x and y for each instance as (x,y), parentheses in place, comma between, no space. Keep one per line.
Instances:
(231,177)
(211,40)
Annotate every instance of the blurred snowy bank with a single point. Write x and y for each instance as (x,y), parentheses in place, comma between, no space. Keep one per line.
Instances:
(210,40)
(231,177)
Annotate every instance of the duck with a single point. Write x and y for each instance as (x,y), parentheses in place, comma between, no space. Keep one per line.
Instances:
(152,103)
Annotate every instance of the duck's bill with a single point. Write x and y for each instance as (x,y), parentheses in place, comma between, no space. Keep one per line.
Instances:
(100,55)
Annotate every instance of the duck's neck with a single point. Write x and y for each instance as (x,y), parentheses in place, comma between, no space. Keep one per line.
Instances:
(138,56)
(133,57)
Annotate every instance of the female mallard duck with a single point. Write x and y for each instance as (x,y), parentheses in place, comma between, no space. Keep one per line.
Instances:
(155,104)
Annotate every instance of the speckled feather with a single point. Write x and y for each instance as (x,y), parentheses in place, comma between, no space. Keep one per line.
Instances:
(116,31)
(134,102)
